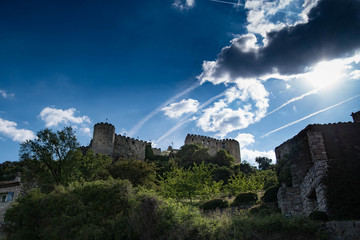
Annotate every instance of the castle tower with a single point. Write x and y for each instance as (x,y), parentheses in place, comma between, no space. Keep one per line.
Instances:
(233,147)
(103,138)
(356,117)
(214,145)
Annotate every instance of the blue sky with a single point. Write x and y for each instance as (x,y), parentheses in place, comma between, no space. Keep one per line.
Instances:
(257,71)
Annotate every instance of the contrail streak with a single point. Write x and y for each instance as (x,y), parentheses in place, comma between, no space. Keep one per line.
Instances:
(232,3)
(138,125)
(310,115)
(294,100)
(186,119)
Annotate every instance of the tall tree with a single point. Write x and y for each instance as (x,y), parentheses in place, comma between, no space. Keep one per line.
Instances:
(47,158)
(263,162)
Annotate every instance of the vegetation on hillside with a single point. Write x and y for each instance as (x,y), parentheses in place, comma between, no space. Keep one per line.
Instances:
(90,196)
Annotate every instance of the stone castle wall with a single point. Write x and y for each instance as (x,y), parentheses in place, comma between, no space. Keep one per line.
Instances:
(309,154)
(214,145)
(105,141)
(9,191)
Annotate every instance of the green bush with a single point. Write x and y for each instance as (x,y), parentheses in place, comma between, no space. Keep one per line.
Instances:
(248,198)
(264,210)
(215,204)
(270,195)
(318,216)
(274,227)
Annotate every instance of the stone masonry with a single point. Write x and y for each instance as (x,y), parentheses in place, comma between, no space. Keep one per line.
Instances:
(308,154)
(105,141)
(9,191)
(214,145)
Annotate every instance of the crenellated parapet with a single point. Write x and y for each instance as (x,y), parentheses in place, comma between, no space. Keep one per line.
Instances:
(214,145)
(105,141)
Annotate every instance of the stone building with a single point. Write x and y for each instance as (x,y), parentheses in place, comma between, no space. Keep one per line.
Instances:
(308,155)
(214,145)
(9,191)
(105,141)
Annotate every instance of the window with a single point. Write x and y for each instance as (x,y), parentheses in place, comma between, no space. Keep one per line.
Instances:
(3,197)
(223,145)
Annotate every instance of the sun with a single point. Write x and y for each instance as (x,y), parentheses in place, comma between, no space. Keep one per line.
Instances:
(325,74)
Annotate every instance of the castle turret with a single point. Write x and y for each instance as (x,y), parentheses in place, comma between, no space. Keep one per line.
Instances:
(103,139)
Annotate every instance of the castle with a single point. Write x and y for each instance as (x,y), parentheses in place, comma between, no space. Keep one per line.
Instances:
(309,155)
(105,141)
(214,145)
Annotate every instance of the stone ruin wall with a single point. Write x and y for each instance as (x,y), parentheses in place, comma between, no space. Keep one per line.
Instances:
(214,145)
(14,187)
(105,141)
(309,154)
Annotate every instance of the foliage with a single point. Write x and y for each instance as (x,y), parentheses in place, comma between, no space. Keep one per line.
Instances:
(318,216)
(243,183)
(214,204)
(195,182)
(274,227)
(136,171)
(246,168)
(283,172)
(8,170)
(270,195)
(221,173)
(82,211)
(190,154)
(223,158)
(343,183)
(264,209)
(47,160)
(263,163)
(248,198)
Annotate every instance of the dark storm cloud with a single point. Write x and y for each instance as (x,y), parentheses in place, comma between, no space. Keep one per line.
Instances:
(333,31)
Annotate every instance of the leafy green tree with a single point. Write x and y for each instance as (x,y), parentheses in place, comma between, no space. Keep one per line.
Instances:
(9,169)
(136,171)
(246,168)
(221,174)
(195,182)
(89,167)
(263,162)
(223,158)
(190,154)
(47,159)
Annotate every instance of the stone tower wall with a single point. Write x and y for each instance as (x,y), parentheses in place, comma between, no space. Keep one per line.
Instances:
(103,138)
(214,145)
(105,141)
(126,147)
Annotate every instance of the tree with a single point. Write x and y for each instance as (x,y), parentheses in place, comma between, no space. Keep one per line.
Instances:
(47,158)
(8,170)
(136,171)
(263,162)
(223,158)
(195,182)
(190,154)
(246,168)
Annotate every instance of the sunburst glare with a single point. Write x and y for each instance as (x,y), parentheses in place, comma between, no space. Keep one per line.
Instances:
(325,74)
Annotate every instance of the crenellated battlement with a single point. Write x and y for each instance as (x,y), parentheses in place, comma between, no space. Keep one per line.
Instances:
(214,145)
(105,141)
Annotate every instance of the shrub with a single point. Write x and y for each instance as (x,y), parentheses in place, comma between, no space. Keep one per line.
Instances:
(215,204)
(318,216)
(245,199)
(264,210)
(270,195)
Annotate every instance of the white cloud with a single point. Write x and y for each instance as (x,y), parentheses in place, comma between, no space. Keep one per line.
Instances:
(183,4)
(4,94)
(249,155)
(176,110)
(9,129)
(245,139)
(54,117)
(223,119)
